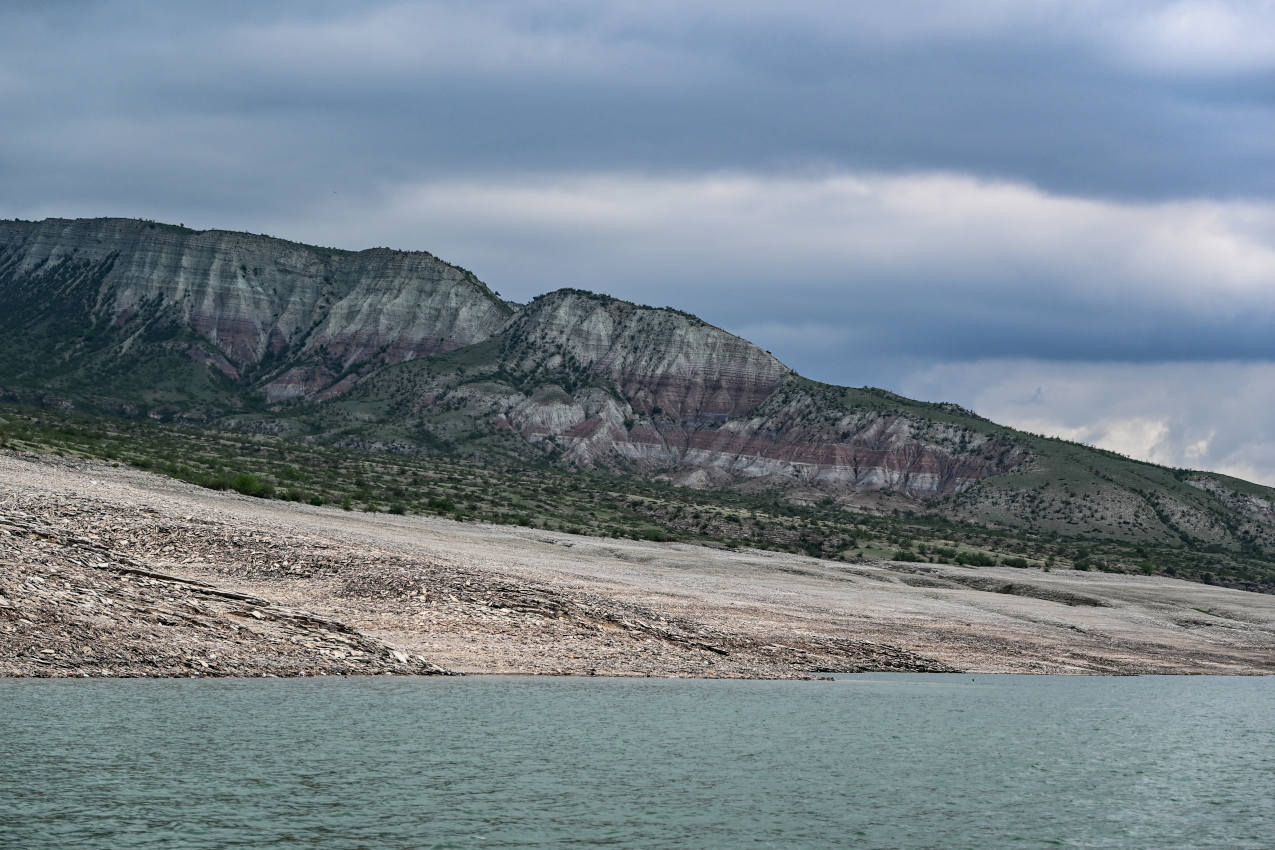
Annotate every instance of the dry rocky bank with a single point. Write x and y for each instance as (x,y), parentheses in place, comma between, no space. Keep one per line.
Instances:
(107,571)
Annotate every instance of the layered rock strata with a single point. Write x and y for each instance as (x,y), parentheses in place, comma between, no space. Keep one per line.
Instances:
(289,319)
(602,382)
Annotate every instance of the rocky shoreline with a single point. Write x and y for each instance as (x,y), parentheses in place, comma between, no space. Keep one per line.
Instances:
(107,571)
(72,607)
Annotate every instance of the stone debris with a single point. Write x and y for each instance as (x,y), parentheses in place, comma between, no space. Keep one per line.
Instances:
(114,572)
(90,589)
(73,606)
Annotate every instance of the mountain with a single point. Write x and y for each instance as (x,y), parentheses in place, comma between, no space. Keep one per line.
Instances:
(402,352)
(593,381)
(156,315)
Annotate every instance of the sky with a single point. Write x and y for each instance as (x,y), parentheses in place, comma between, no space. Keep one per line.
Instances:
(1058,214)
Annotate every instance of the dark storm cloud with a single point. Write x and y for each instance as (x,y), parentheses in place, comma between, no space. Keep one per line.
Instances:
(384,91)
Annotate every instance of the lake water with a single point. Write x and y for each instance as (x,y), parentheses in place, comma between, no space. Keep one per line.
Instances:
(878,761)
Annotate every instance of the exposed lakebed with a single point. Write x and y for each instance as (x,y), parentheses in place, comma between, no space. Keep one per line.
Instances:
(112,572)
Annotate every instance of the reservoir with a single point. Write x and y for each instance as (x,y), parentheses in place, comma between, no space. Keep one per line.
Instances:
(865,761)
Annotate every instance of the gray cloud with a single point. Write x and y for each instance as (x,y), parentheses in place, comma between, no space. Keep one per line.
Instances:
(1116,100)
(837,271)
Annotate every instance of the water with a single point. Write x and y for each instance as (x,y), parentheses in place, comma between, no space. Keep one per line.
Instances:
(884,761)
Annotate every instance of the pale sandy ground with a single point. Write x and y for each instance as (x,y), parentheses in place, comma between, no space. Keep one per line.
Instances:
(490,599)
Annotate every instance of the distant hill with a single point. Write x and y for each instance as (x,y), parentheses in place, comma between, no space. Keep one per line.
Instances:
(400,351)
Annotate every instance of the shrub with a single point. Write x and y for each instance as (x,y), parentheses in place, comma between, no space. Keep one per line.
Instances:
(250,485)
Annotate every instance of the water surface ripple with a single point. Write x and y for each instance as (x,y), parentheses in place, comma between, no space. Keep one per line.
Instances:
(881,761)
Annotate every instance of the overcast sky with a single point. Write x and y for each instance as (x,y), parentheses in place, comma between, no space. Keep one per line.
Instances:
(1060,214)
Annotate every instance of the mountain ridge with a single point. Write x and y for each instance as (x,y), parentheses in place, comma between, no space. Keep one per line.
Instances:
(404,352)
(244,305)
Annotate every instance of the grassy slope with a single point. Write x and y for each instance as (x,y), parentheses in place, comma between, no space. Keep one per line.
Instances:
(66,350)
(1075,490)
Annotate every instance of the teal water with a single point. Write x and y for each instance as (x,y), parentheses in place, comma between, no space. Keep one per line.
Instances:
(885,761)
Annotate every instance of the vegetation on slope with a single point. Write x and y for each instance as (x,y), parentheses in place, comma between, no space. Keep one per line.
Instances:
(547,497)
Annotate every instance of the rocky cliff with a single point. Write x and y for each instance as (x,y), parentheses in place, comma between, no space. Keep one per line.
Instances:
(593,381)
(278,318)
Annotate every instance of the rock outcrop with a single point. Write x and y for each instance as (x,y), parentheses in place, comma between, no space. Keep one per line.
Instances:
(661,361)
(598,382)
(284,319)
